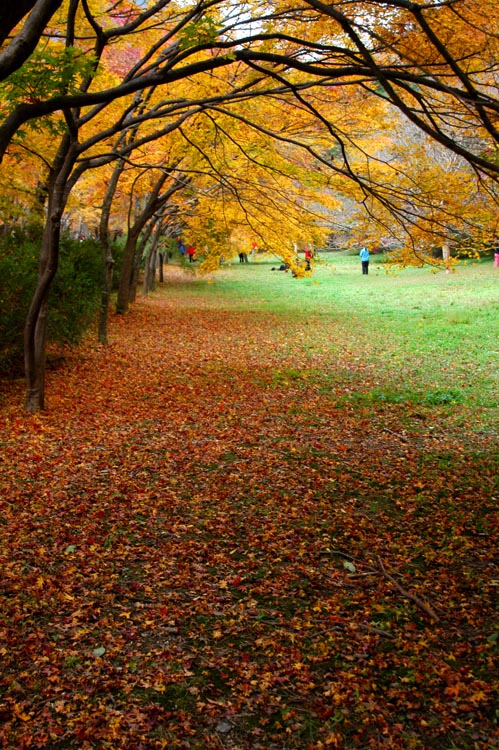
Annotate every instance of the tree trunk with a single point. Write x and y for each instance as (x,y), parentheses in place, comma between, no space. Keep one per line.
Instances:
(132,296)
(17,51)
(107,288)
(11,14)
(446,256)
(126,276)
(151,261)
(149,271)
(35,329)
(107,255)
(131,260)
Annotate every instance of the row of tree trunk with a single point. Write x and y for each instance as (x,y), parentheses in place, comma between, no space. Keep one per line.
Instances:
(150,223)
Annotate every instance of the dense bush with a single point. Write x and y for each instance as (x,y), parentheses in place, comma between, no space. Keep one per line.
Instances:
(74,297)
(18,267)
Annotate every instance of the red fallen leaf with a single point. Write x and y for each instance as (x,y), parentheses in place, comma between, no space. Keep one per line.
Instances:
(211,526)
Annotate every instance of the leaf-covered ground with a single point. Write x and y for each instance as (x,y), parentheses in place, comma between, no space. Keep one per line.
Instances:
(205,545)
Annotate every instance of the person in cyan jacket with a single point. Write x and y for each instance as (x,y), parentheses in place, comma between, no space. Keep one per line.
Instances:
(364,259)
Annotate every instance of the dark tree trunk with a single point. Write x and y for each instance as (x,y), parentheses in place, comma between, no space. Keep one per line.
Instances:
(107,256)
(107,288)
(151,260)
(131,262)
(127,269)
(144,239)
(11,13)
(35,329)
(17,50)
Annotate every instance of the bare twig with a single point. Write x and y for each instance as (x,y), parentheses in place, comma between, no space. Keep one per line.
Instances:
(377,631)
(397,434)
(419,602)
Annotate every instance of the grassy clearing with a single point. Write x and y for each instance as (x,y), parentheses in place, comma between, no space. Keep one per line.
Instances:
(422,338)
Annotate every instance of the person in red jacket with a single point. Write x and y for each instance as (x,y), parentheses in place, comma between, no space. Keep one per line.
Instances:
(308,258)
(191,252)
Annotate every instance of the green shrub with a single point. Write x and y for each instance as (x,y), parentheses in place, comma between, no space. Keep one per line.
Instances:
(76,290)
(74,296)
(18,268)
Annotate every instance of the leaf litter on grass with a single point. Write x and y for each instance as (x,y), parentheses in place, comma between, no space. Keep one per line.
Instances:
(206,545)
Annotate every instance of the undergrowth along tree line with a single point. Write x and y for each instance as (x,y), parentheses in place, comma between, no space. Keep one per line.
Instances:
(75,295)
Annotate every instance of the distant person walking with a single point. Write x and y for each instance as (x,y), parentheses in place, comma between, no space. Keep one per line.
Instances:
(308,259)
(191,252)
(364,259)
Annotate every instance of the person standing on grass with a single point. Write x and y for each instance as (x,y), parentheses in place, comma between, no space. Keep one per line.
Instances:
(364,259)
(308,259)
(191,252)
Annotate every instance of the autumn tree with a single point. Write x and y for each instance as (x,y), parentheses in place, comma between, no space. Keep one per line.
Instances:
(162,188)
(251,188)
(398,188)
(433,62)
(62,173)
(78,73)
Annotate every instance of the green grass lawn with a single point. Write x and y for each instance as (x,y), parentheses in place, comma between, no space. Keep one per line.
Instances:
(422,337)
